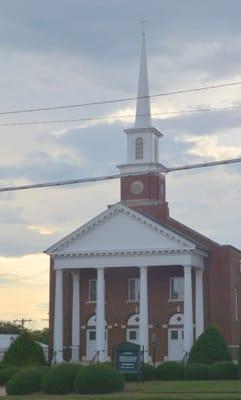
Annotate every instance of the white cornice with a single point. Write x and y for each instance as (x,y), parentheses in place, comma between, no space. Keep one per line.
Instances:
(124,252)
(155,131)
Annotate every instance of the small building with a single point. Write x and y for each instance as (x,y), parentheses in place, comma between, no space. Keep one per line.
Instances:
(133,273)
(6,340)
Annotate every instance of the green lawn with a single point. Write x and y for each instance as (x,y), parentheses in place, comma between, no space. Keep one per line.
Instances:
(196,390)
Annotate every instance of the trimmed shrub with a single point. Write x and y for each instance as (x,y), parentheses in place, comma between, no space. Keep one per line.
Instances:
(239,361)
(60,379)
(196,372)
(3,365)
(27,381)
(209,348)
(24,352)
(169,371)
(225,370)
(7,373)
(148,374)
(98,379)
(130,377)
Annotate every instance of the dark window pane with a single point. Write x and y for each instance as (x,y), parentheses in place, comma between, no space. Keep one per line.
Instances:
(92,290)
(132,335)
(174,335)
(92,335)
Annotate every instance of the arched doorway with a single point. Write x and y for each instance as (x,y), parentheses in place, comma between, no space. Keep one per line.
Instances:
(132,329)
(175,338)
(91,338)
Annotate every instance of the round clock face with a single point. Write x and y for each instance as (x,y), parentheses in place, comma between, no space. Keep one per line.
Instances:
(137,187)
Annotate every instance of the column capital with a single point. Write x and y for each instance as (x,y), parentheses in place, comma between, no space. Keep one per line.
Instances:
(75,274)
(143,267)
(187,268)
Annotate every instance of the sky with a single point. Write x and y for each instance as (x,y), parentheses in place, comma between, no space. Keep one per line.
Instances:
(60,52)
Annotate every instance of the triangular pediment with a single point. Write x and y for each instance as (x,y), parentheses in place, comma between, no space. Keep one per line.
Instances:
(120,228)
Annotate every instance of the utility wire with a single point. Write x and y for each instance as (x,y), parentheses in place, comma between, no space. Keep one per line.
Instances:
(116,176)
(117,117)
(95,103)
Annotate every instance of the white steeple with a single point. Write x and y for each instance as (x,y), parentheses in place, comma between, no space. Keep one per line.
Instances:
(143,108)
(142,139)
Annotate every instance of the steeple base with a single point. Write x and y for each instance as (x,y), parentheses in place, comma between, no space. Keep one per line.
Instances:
(146,193)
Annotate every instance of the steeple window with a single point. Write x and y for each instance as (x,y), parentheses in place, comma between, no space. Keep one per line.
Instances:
(139,148)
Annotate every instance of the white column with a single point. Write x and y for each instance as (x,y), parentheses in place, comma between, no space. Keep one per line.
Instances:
(100,315)
(75,318)
(143,314)
(199,302)
(58,318)
(188,309)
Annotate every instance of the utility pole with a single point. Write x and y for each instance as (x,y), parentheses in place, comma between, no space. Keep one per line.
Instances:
(23,321)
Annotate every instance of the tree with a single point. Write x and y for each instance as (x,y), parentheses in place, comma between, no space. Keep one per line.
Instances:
(9,327)
(41,335)
(209,348)
(24,351)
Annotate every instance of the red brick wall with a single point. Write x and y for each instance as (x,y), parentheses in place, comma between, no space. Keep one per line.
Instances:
(221,274)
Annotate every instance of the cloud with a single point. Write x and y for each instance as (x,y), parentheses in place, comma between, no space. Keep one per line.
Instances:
(42,230)
(207,146)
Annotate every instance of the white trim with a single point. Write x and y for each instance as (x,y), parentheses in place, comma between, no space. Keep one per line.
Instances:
(57,248)
(119,261)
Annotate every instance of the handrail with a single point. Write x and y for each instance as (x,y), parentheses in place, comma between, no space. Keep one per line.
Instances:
(185,358)
(95,358)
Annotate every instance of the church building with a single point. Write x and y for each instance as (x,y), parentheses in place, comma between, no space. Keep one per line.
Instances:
(133,273)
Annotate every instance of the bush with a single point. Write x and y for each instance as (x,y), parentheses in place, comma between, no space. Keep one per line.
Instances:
(3,365)
(7,373)
(225,370)
(209,348)
(148,374)
(98,379)
(60,379)
(24,352)
(196,372)
(239,361)
(26,381)
(169,371)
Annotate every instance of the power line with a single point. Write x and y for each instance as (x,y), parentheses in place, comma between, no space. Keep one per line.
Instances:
(95,103)
(117,117)
(116,176)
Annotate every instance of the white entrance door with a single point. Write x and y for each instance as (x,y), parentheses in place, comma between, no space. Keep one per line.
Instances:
(91,343)
(91,338)
(175,344)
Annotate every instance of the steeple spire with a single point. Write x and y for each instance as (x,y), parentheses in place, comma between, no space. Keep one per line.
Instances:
(143,109)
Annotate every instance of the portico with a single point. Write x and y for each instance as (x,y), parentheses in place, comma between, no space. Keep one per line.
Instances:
(159,247)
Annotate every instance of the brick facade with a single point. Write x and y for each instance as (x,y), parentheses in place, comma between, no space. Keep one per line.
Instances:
(221,277)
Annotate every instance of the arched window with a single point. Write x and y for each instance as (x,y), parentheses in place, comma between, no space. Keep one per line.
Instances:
(139,148)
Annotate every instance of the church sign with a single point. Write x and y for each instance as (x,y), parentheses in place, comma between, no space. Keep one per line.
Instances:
(127,358)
